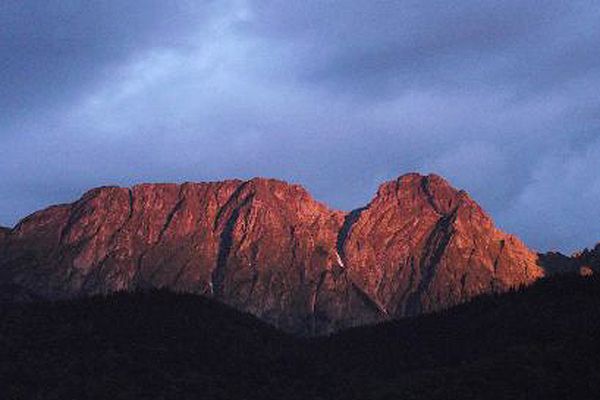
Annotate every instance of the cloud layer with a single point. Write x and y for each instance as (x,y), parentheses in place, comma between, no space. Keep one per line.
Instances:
(499,97)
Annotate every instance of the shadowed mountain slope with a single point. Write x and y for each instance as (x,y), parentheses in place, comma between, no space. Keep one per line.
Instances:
(541,342)
(585,262)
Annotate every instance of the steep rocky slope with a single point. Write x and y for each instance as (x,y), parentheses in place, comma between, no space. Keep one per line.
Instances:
(420,245)
(266,247)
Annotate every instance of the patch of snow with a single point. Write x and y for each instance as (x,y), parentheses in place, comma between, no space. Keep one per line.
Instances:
(339,260)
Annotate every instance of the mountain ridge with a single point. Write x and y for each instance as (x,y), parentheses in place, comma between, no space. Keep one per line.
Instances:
(269,248)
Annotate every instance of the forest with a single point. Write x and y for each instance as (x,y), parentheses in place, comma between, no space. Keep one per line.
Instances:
(536,342)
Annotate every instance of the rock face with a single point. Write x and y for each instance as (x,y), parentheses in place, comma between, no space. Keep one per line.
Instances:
(585,262)
(266,247)
(420,245)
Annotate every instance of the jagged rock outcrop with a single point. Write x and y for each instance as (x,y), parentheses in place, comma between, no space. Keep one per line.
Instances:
(585,262)
(420,245)
(588,260)
(267,247)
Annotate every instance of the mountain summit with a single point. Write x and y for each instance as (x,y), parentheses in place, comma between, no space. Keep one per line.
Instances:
(267,247)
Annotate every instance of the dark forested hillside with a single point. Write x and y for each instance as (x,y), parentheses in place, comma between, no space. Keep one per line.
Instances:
(150,345)
(541,342)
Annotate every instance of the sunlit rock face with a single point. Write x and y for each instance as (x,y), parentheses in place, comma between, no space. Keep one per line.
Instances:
(267,247)
(421,245)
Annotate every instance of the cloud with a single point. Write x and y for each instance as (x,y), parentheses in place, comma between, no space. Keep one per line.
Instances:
(562,198)
(499,97)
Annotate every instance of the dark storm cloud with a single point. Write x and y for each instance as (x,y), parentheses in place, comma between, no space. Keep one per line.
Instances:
(500,97)
(50,49)
(399,45)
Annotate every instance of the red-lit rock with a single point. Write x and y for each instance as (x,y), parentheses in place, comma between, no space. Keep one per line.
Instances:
(266,247)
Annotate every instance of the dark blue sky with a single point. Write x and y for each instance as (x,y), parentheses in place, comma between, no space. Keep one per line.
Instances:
(500,97)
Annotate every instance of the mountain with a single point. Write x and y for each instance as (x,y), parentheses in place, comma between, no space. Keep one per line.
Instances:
(540,342)
(585,262)
(268,248)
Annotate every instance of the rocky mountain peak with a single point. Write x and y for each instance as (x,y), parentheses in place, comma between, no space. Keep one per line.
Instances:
(415,192)
(267,247)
